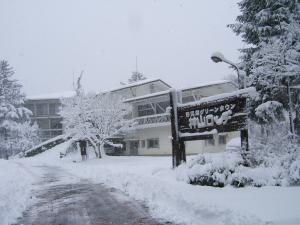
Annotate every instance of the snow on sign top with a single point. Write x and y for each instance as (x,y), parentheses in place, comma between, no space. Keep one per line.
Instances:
(60,95)
(251,92)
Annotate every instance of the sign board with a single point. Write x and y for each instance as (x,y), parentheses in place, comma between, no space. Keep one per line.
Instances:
(201,120)
(224,115)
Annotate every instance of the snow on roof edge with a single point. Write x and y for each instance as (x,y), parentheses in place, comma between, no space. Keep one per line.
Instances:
(207,84)
(180,89)
(136,84)
(251,91)
(156,94)
(60,95)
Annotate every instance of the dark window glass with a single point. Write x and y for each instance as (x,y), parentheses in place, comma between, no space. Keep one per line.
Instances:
(153,143)
(41,109)
(143,143)
(55,133)
(145,110)
(55,124)
(222,139)
(54,109)
(43,123)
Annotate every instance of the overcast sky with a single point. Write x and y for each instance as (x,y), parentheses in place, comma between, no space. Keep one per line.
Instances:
(49,42)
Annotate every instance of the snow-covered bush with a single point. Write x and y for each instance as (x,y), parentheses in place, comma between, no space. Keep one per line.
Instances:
(212,169)
(221,169)
(274,158)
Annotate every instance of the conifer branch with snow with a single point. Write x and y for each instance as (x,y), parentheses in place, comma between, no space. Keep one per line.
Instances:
(17,134)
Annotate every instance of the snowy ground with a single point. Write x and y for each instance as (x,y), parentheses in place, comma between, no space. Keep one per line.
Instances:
(151,180)
(16,183)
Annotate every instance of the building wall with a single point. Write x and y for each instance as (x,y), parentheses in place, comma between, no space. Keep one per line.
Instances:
(163,134)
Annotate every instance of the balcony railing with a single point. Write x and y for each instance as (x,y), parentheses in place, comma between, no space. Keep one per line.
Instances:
(152,119)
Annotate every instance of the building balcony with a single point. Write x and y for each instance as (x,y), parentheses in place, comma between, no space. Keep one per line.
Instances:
(152,120)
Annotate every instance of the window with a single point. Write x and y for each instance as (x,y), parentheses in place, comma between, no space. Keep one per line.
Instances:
(188,99)
(43,123)
(143,143)
(41,109)
(153,143)
(45,134)
(161,107)
(53,109)
(210,142)
(55,124)
(145,110)
(222,139)
(55,133)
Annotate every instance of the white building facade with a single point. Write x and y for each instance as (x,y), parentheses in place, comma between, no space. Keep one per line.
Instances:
(152,133)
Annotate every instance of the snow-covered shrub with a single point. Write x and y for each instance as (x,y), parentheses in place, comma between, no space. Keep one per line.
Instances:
(212,169)
(272,168)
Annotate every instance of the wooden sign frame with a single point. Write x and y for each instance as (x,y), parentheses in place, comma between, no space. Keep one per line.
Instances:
(201,120)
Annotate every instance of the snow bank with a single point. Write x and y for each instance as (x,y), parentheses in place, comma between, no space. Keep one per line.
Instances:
(16,184)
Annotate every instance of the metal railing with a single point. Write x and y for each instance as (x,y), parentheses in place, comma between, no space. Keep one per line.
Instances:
(152,119)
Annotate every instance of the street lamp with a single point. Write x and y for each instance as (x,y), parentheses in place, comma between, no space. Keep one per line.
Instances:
(219,57)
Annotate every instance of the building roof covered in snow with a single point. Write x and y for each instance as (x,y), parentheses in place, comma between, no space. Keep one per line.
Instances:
(58,95)
(194,92)
(138,83)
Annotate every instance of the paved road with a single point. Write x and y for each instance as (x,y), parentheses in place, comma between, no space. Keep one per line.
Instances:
(80,202)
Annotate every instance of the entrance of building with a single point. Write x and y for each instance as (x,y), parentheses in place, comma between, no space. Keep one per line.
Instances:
(133,147)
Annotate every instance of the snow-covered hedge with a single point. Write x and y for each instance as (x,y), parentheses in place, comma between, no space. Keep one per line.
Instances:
(221,169)
(273,158)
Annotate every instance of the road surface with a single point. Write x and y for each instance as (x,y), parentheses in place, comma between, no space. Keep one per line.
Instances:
(64,199)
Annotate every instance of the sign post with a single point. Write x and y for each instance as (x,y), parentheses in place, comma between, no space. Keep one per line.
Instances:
(203,119)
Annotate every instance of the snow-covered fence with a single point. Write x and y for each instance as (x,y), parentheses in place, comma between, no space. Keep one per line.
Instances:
(202,119)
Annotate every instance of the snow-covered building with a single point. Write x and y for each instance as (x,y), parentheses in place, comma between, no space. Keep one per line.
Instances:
(149,99)
(45,109)
(151,134)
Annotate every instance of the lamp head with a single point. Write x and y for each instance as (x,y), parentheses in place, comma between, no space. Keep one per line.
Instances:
(217,57)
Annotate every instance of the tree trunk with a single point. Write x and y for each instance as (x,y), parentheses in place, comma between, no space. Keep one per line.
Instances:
(99,151)
(96,153)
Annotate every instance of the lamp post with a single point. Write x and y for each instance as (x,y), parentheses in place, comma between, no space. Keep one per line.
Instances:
(219,57)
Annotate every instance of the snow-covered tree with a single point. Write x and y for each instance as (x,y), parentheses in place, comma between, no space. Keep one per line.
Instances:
(271,31)
(16,132)
(95,117)
(135,77)
(271,28)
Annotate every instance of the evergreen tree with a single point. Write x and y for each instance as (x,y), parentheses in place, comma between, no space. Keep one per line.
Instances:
(16,133)
(135,77)
(271,28)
